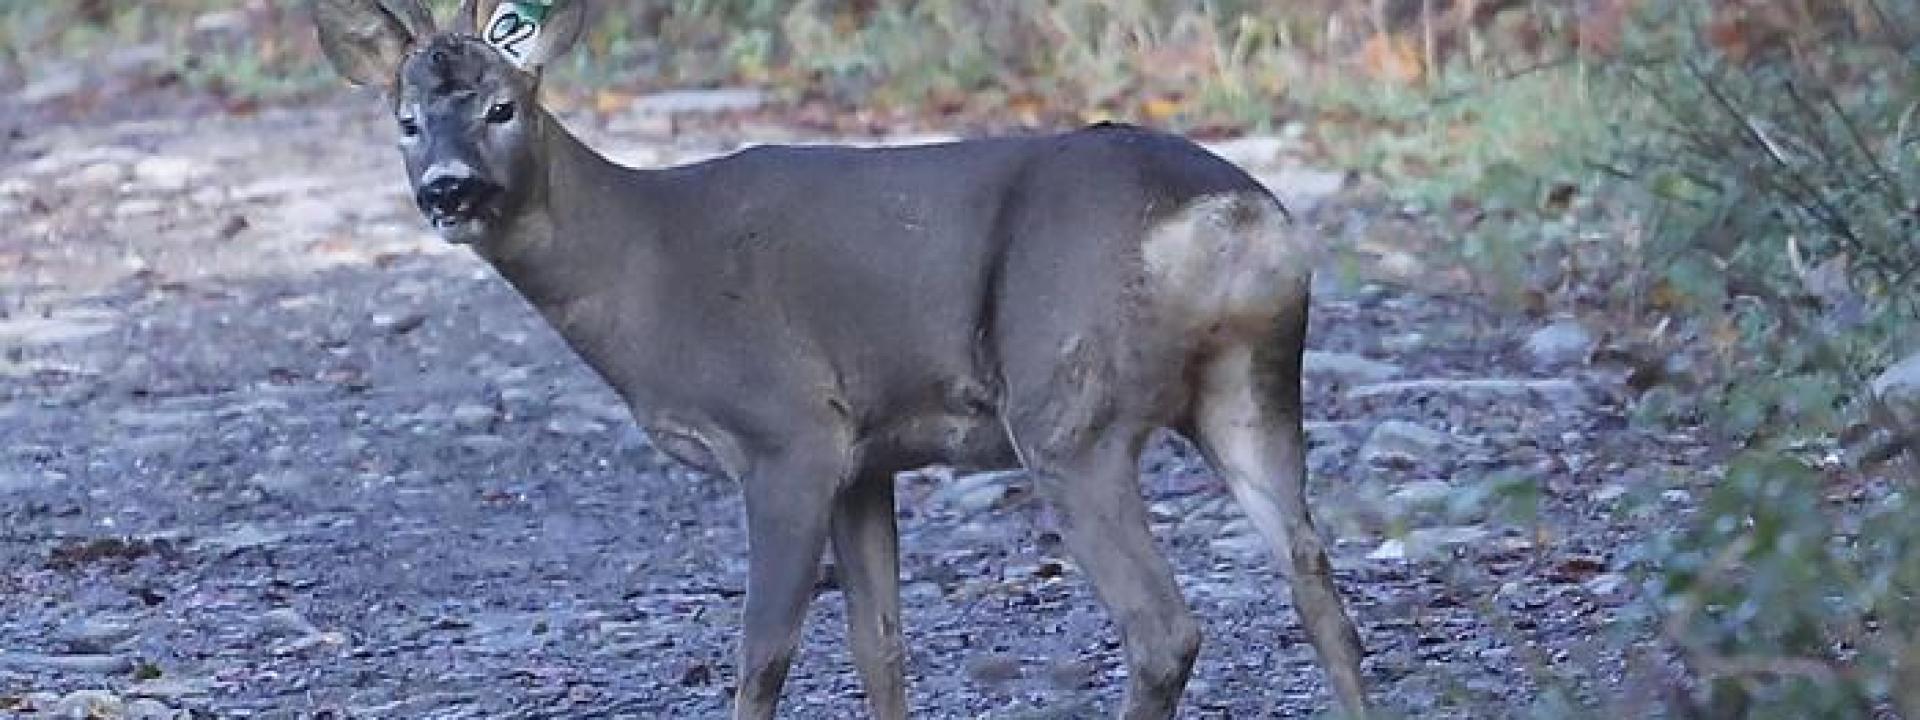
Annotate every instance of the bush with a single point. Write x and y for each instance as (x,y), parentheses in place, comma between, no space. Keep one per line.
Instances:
(1775,175)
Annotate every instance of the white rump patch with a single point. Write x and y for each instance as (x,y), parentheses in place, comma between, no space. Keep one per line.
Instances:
(1227,259)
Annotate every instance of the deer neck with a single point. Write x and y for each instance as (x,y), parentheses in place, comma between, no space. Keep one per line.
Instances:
(583,229)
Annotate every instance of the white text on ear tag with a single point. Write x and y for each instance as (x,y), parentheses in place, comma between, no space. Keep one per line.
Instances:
(515,29)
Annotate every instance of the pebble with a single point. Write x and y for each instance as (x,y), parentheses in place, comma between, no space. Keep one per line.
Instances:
(170,688)
(1349,368)
(1399,442)
(1426,542)
(246,536)
(486,444)
(1565,342)
(976,492)
(1553,389)
(95,635)
(1898,390)
(474,416)
(169,174)
(1069,673)
(1422,494)
(97,176)
(158,443)
(993,668)
(92,663)
(1241,544)
(34,330)
(138,207)
(83,704)
(575,426)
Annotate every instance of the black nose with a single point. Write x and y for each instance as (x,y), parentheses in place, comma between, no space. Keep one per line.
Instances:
(453,195)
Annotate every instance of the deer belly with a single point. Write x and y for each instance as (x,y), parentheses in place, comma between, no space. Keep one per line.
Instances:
(961,440)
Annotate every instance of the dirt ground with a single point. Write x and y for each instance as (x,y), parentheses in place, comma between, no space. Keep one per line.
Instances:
(269,449)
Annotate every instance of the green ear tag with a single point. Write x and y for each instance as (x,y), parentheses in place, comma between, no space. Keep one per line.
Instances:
(515,29)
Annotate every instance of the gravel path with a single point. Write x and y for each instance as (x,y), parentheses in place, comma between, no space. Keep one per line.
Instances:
(268,450)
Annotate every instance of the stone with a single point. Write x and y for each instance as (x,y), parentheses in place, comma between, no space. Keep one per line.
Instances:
(138,207)
(1427,542)
(1245,543)
(170,688)
(285,482)
(993,668)
(1398,442)
(1421,495)
(95,635)
(1348,368)
(90,704)
(1606,584)
(150,709)
(53,87)
(33,330)
(1502,389)
(1069,673)
(142,59)
(246,536)
(287,622)
(976,492)
(85,663)
(575,426)
(156,443)
(474,416)
(486,444)
(1898,391)
(1303,189)
(169,174)
(1562,343)
(103,175)
(1607,493)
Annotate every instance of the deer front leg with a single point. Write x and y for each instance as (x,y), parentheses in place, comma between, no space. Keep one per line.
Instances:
(866,545)
(789,500)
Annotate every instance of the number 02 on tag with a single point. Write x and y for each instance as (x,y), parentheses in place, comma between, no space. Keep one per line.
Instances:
(515,28)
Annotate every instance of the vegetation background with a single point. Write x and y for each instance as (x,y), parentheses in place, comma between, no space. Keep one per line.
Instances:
(1728,187)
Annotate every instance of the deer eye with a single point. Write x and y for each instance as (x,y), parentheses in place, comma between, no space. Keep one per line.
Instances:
(500,112)
(409,127)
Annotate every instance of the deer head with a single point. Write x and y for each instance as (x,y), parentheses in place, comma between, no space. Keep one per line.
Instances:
(464,100)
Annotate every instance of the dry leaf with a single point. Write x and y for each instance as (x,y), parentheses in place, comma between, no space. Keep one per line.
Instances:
(1160,109)
(1392,58)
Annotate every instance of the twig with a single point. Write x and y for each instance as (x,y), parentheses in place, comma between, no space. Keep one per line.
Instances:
(1508,76)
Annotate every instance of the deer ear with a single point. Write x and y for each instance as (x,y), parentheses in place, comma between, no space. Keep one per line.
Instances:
(565,23)
(466,20)
(366,39)
(508,25)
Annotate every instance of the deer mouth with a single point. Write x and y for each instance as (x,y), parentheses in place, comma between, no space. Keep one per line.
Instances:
(458,228)
(460,216)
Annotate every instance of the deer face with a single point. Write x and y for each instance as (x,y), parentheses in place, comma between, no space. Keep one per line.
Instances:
(466,119)
(465,113)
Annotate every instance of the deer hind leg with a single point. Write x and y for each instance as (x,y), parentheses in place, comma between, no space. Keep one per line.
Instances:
(1248,418)
(1087,466)
(866,546)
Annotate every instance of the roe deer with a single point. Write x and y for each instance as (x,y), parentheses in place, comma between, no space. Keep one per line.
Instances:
(809,321)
